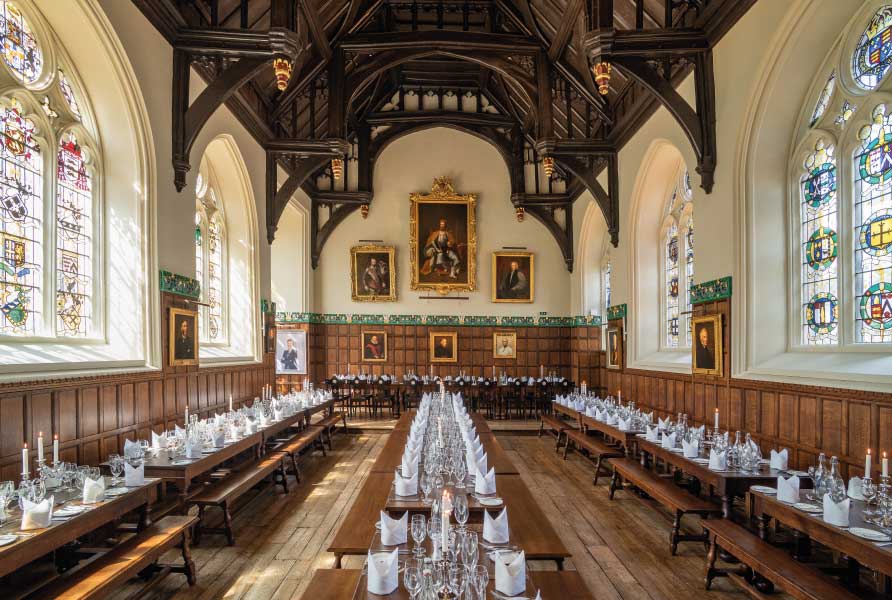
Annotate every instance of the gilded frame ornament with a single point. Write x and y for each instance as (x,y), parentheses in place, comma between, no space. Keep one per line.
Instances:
(522,256)
(434,335)
(707,323)
(499,335)
(355,272)
(442,192)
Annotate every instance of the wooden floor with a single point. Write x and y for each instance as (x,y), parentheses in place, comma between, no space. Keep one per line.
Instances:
(620,548)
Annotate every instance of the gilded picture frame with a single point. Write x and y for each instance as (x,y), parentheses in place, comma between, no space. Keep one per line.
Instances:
(707,337)
(449,265)
(504,345)
(614,348)
(182,337)
(367,286)
(513,285)
(374,346)
(441,352)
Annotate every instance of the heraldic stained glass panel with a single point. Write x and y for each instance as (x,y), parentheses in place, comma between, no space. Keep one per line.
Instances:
(820,264)
(21,227)
(672,286)
(74,240)
(873,54)
(872,218)
(823,99)
(606,287)
(68,94)
(689,270)
(199,248)
(20,49)
(215,280)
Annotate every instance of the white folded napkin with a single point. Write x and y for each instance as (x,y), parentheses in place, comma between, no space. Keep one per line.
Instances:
(219,437)
(779,460)
(788,489)
(156,442)
(538,595)
(511,577)
(193,449)
(251,426)
(718,461)
(481,463)
(383,578)
(277,414)
(407,486)
(394,531)
(264,422)
(668,441)
(854,490)
(600,415)
(37,515)
(234,432)
(691,449)
(652,434)
(625,424)
(178,430)
(132,449)
(94,490)
(663,424)
(591,411)
(134,476)
(411,456)
(409,466)
(836,513)
(495,531)
(485,484)
(612,419)
(218,419)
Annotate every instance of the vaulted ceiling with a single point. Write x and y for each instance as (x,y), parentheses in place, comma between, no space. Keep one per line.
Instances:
(524,67)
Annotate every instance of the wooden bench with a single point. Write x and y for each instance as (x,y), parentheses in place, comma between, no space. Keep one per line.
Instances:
(597,448)
(329,423)
(292,448)
(136,556)
(667,493)
(223,493)
(768,562)
(556,427)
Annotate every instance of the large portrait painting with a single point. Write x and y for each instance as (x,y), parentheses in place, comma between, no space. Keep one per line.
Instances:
(706,353)
(373,273)
(614,348)
(504,344)
(374,346)
(183,337)
(512,277)
(291,352)
(443,347)
(443,239)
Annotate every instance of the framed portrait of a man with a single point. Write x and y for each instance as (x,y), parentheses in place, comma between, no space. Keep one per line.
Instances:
(374,346)
(443,347)
(373,273)
(504,344)
(443,239)
(512,277)
(706,351)
(614,348)
(183,337)
(291,352)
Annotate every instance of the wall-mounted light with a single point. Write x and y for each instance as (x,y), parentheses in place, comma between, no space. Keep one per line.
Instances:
(520,213)
(337,168)
(602,77)
(282,67)
(364,211)
(548,166)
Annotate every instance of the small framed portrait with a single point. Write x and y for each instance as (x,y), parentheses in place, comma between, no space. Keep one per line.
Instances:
(706,351)
(614,348)
(291,352)
(374,346)
(373,273)
(183,338)
(269,332)
(512,277)
(504,344)
(443,347)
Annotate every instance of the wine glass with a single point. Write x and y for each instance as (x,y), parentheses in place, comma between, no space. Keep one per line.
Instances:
(460,509)
(427,484)
(116,464)
(412,579)
(469,548)
(869,492)
(481,580)
(454,579)
(419,532)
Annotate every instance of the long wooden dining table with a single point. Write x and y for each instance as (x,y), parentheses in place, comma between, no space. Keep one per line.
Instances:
(31,545)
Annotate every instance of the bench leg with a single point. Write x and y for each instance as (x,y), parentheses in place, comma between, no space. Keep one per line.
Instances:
(597,470)
(294,466)
(188,564)
(541,427)
(673,537)
(227,520)
(557,443)
(566,447)
(283,475)
(615,483)
(198,524)
(710,562)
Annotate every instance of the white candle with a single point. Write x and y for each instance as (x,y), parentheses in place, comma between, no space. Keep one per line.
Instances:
(493,371)
(716,418)
(619,393)
(40,447)
(885,465)
(25,461)
(541,371)
(444,529)
(187,415)
(867,464)
(230,402)
(56,449)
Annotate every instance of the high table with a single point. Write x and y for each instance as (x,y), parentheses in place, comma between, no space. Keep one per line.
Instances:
(867,553)
(40,542)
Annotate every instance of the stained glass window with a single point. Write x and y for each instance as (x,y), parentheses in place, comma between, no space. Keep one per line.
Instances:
(845,113)
(818,214)
(74,239)
(689,271)
(872,218)
(606,286)
(672,286)
(210,264)
(20,49)
(873,54)
(68,94)
(215,280)
(823,99)
(21,188)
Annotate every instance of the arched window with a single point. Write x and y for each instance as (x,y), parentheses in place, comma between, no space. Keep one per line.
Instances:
(605,285)
(49,234)
(210,262)
(677,243)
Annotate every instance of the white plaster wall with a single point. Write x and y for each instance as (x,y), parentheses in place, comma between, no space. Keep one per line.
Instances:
(410,164)
(289,258)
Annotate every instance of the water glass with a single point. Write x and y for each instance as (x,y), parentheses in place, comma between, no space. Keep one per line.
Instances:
(470,548)
(419,532)
(481,580)
(412,580)
(116,464)
(869,492)
(460,509)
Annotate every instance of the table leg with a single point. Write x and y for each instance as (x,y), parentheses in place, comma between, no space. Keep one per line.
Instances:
(801,545)
(727,502)
(762,523)
(144,518)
